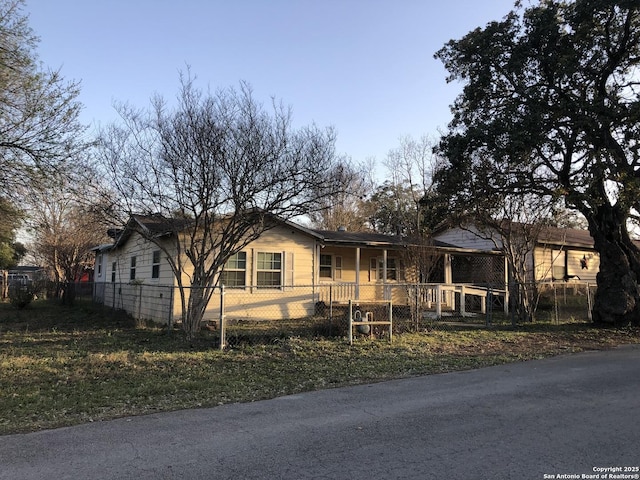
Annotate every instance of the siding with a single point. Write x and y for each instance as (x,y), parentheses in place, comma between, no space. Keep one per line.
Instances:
(566,261)
(298,270)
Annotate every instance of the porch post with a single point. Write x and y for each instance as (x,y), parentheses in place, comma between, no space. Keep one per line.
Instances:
(357,273)
(384,274)
(448,280)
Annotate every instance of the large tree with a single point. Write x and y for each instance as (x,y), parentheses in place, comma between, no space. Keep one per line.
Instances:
(214,169)
(551,106)
(39,128)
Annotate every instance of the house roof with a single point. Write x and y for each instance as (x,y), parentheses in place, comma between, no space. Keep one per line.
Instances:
(566,236)
(151,225)
(102,248)
(340,237)
(157,225)
(379,240)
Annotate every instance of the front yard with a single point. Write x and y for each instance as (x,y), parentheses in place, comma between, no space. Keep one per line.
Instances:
(63,366)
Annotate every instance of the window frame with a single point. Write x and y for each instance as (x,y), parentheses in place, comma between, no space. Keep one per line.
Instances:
(334,267)
(132,267)
(323,266)
(260,269)
(236,269)
(397,270)
(155,264)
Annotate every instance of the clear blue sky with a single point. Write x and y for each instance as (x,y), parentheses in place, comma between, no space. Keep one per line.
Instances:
(365,67)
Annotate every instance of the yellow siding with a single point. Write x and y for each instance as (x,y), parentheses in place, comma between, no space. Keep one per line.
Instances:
(574,266)
(566,261)
(268,303)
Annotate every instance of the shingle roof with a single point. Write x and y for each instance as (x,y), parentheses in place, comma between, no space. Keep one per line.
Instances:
(346,238)
(566,236)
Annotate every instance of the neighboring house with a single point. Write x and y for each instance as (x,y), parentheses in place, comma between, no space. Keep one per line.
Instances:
(560,254)
(26,274)
(285,273)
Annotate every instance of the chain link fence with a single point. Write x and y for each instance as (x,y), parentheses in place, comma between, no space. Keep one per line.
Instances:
(265,315)
(563,302)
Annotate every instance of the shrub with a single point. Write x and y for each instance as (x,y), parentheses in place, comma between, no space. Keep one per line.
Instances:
(21,295)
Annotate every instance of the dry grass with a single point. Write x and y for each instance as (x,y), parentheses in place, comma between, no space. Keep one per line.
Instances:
(63,366)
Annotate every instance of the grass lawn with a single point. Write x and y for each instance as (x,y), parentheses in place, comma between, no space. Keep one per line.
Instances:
(62,366)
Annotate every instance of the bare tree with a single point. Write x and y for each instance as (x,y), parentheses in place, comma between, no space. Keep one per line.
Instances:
(411,167)
(348,208)
(64,230)
(214,170)
(513,225)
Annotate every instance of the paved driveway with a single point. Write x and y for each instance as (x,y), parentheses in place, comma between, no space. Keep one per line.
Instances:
(568,415)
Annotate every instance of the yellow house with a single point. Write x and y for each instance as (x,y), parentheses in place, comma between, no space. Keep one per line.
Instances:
(560,254)
(285,273)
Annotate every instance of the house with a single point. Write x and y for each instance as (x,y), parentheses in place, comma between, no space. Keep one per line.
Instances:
(285,273)
(560,254)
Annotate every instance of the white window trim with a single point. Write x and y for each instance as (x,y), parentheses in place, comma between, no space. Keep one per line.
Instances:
(245,270)
(336,268)
(133,266)
(286,270)
(379,271)
(156,264)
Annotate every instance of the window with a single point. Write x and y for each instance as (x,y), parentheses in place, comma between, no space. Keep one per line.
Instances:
(394,269)
(113,272)
(558,271)
(155,264)
(132,269)
(235,271)
(330,267)
(325,266)
(100,265)
(269,269)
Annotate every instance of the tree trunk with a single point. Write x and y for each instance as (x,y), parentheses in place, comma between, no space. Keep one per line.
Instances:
(68,293)
(617,299)
(197,305)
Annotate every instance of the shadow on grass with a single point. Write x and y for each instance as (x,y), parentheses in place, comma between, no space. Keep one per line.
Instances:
(58,327)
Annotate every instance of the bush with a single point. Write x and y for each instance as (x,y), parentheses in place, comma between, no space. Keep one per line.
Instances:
(21,295)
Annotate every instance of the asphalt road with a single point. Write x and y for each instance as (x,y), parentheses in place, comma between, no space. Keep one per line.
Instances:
(565,417)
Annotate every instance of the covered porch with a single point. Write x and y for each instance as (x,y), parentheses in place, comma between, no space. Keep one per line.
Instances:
(438,278)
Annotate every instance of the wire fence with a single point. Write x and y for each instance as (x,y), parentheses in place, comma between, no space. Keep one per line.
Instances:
(254,315)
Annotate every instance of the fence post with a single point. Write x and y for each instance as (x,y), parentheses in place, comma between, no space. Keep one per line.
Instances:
(589,315)
(223,332)
(390,321)
(331,304)
(555,302)
(350,324)
(417,307)
(170,319)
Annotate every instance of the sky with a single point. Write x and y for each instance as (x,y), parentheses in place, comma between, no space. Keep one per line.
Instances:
(365,67)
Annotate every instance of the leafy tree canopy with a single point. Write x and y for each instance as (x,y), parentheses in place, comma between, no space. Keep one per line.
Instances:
(551,106)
